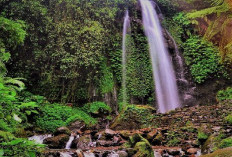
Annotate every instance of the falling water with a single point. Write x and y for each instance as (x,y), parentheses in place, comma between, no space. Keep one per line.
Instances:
(68,144)
(165,83)
(125,28)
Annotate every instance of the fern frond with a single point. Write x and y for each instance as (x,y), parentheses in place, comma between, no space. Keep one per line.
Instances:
(16,83)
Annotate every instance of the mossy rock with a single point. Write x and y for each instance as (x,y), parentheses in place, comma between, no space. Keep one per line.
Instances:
(227,152)
(143,149)
(209,145)
(141,146)
(134,117)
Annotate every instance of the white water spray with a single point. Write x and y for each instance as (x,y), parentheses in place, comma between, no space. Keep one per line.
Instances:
(125,28)
(163,73)
(39,138)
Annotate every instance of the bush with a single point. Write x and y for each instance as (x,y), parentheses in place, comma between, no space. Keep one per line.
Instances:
(20,147)
(53,116)
(225,94)
(96,108)
(81,115)
(201,136)
(203,59)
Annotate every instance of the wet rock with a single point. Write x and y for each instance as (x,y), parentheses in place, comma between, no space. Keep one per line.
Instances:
(77,125)
(110,133)
(122,153)
(141,146)
(117,139)
(84,142)
(62,130)
(105,143)
(158,139)
(79,153)
(173,152)
(151,135)
(52,154)
(192,151)
(57,142)
(209,145)
(126,134)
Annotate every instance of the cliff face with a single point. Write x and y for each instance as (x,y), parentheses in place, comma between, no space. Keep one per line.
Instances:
(214,23)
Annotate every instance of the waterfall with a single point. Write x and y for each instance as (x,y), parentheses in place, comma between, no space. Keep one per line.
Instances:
(163,73)
(68,144)
(186,88)
(125,27)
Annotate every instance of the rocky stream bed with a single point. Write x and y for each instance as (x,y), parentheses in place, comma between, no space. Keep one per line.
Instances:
(175,134)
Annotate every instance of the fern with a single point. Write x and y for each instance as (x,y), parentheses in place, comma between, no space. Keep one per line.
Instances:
(217,2)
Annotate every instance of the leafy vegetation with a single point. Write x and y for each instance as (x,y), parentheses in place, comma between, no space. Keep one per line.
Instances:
(225,143)
(224,94)
(201,136)
(202,57)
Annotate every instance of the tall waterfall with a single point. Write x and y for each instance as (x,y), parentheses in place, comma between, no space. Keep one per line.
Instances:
(125,28)
(163,73)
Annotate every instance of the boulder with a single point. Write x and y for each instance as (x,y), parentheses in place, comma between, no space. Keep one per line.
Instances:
(134,117)
(57,142)
(122,153)
(158,139)
(192,151)
(152,134)
(77,125)
(110,133)
(79,153)
(141,146)
(62,130)
(84,142)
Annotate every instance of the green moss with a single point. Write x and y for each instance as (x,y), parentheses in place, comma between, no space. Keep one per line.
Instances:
(96,108)
(81,116)
(202,136)
(53,116)
(174,142)
(229,119)
(141,146)
(143,149)
(225,143)
(135,117)
(227,152)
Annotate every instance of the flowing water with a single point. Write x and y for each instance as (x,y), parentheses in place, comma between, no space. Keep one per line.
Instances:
(65,154)
(39,138)
(125,28)
(186,88)
(69,143)
(163,73)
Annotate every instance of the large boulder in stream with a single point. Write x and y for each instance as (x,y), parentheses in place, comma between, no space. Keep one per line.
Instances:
(62,130)
(134,117)
(141,146)
(57,142)
(83,143)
